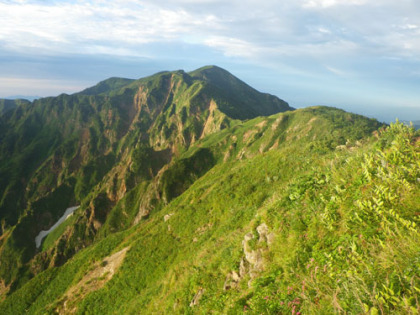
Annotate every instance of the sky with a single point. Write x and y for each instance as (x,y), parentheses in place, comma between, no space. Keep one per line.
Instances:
(359,55)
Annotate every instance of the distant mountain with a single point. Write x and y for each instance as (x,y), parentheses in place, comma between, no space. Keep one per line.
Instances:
(9,104)
(22,97)
(193,193)
(101,143)
(415,123)
(167,111)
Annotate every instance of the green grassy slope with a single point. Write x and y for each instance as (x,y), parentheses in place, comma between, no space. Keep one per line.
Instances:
(7,105)
(303,212)
(244,102)
(107,86)
(110,142)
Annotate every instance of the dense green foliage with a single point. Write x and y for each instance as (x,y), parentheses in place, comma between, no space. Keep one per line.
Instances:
(414,123)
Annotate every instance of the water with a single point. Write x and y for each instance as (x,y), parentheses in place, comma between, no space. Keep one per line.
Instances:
(42,234)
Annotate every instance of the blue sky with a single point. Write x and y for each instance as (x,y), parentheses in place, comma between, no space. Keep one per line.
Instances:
(360,55)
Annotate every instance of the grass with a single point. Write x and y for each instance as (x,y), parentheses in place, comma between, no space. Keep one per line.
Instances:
(341,206)
(52,237)
(323,258)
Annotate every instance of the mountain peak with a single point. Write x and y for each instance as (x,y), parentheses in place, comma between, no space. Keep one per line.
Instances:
(213,74)
(209,69)
(248,101)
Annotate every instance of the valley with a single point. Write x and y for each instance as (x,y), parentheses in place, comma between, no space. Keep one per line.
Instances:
(198,194)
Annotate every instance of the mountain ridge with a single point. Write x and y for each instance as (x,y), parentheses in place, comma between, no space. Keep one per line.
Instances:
(58,150)
(106,86)
(187,205)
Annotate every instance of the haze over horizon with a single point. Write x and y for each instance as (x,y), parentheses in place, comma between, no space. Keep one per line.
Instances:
(359,55)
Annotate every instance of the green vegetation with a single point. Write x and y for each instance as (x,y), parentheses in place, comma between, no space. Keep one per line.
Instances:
(106,86)
(355,246)
(414,123)
(49,240)
(237,99)
(311,211)
(8,105)
(106,144)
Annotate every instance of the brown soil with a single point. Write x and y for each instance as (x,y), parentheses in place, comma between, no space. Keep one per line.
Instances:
(94,279)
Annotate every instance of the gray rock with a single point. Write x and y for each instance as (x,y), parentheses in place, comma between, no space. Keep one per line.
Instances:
(167,216)
(196,299)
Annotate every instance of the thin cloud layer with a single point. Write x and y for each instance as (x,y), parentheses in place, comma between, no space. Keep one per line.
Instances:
(373,40)
(88,26)
(330,3)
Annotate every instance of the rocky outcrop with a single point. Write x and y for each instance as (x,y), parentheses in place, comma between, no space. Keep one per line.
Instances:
(167,216)
(196,299)
(95,279)
(4,289)
(252,263)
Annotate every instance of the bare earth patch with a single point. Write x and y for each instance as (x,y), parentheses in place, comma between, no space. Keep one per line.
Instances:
(94,279)
(261,124)
(4,289)
(249,134)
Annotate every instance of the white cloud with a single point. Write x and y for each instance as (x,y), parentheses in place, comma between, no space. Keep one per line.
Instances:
(409,27)
(233,47)
(306,37)
(337,71)
(78,27)
(35,86)
(241,48)
(247,28)
(324,30)
(331,3)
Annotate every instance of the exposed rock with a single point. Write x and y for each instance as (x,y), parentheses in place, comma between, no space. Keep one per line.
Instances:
(241,154)
(4,289)
(232,280)
(196,299)
(262,231)
(253,262)
(278,121)
(212,123)
(264,236)
(167,216)
(95,279)
(151,194)
(274,146)
(96,224)
(249,136)
(235,276)
(252,256)
(204,228)
(243,267)
(270,238)
(228,153)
